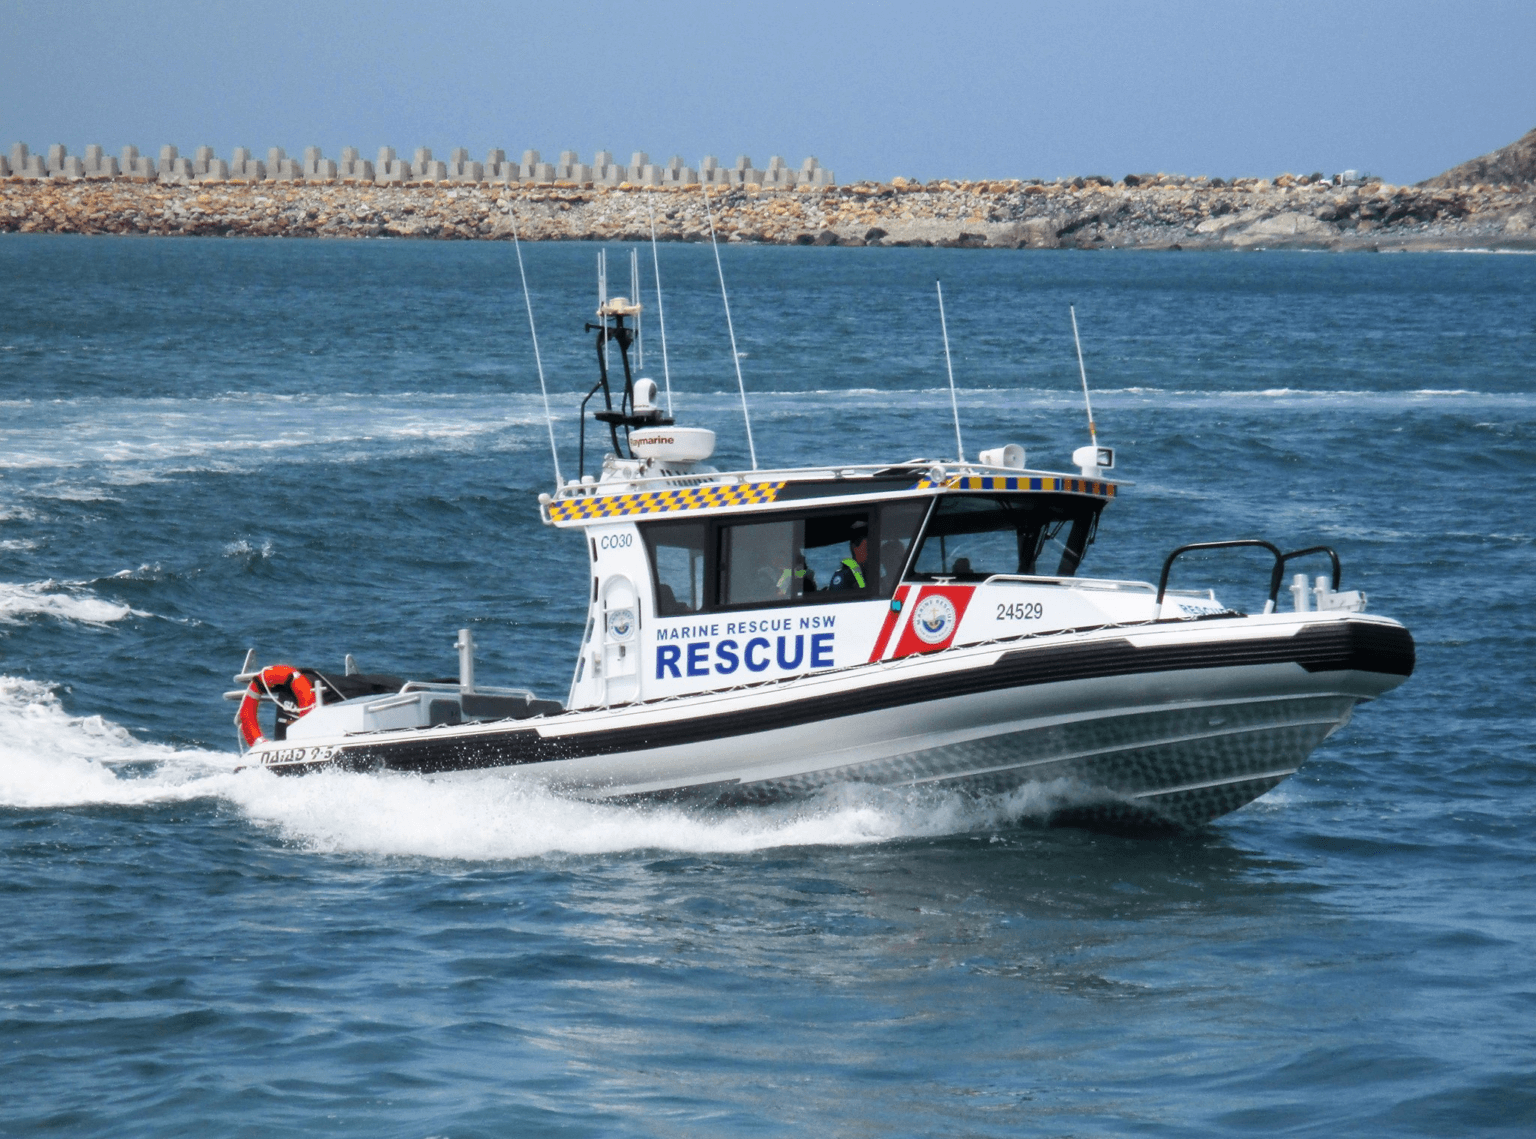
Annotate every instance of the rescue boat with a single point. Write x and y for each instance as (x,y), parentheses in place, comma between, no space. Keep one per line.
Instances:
(754,635)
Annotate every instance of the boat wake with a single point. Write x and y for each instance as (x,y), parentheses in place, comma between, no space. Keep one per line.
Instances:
(487,816)
(51,760)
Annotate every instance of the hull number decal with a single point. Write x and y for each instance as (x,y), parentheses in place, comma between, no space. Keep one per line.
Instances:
(1020,611)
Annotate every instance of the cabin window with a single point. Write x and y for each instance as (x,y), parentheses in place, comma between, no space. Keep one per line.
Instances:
(780,558)
(972,537)
(793,559)
(677,565)
(762,561)
(899,523)
(788,560)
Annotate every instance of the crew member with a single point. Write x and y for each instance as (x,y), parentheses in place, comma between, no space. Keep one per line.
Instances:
(801,576)
(850,574)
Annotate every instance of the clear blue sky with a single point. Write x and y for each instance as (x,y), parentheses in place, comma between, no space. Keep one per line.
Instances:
(952,89)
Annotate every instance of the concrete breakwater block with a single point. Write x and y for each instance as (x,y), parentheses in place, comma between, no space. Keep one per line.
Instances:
(139,167)
(388,168)
(243,166)
(99,164)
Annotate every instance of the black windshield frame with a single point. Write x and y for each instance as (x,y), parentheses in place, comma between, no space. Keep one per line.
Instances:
(1036,522)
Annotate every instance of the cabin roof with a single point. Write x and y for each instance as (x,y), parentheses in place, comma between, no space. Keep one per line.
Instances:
(649,497)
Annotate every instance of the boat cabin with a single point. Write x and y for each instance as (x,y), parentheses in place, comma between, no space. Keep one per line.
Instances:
(765,576)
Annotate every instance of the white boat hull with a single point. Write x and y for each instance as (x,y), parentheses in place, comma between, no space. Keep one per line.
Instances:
(1177,722)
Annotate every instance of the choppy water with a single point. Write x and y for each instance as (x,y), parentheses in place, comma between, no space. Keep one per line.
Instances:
(317,448)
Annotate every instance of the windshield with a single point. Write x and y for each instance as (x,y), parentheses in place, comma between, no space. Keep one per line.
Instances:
(972,537)
(812,557)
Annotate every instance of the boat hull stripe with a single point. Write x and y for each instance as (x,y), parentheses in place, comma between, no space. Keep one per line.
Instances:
(662,501)
(1023,482)
(893,615)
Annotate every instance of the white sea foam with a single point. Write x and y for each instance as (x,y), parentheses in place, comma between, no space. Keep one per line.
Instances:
(62,491)
(142,438)
(18,601)
(50,759)
(111,443)
(489,816)
(1493,252)
(244,549)
(1051,399)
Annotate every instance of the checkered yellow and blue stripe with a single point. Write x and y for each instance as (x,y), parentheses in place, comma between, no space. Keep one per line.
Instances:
(1024,482)
(662,501)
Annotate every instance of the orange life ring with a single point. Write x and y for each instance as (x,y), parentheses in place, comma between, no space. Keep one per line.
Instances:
(273,676)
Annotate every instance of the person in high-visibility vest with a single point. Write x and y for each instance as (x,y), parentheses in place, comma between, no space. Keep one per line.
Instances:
(850,573)
(802,577)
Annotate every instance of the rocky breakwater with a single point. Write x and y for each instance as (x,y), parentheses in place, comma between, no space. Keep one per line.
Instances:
(1148,212)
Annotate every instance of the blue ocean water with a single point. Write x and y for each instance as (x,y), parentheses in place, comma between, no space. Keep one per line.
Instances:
(317,448)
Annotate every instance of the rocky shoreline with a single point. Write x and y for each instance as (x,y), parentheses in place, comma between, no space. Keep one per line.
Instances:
(1147,212)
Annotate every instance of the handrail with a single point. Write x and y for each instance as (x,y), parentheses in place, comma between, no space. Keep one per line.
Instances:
(1104,583)
(453,687)
(1274,577)
(1338,573)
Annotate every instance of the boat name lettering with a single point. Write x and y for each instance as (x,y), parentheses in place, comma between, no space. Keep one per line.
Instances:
(757,654)
(684,632)
(615,541)
(766,625)
(777,625)
(298,755)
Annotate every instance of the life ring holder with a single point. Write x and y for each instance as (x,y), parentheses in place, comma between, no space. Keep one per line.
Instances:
(269,678)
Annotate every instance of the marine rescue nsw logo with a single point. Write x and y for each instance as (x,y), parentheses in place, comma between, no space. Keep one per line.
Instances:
(934,619)
(621,624)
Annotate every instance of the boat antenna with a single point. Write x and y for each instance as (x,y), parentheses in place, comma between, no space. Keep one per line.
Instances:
(661,313)
(549,420)
(602,300)
(954,404)
(634,293)
(735,355)
(1093,435)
